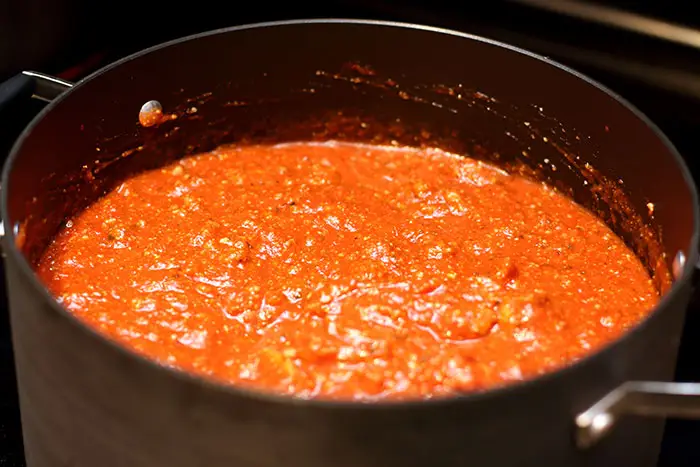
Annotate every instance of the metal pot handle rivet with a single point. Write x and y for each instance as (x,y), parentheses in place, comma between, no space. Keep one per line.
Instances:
(678,265)
(151,114)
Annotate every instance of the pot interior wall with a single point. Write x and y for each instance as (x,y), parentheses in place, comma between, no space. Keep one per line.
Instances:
(358,82)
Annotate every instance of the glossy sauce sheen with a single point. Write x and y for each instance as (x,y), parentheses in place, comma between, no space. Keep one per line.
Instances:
(348,271)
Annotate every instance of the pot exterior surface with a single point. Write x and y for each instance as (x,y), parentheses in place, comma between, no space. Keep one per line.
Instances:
(85,402)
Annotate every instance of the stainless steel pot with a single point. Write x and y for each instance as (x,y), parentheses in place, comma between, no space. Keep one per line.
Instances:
(85,401)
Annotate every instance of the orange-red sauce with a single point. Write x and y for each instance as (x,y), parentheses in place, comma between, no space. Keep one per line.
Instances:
(340,270)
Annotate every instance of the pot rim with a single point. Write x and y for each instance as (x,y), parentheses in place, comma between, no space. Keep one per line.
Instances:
(511,388)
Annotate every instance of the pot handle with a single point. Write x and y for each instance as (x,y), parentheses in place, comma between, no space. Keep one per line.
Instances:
(645,398)
(30,84)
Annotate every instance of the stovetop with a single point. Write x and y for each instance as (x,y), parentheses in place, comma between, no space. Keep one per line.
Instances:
(11,454)
(660,76)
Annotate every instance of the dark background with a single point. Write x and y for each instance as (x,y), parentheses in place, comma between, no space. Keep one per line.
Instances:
(658,71)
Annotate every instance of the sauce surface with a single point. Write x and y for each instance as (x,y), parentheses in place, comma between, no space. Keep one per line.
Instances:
(347,271)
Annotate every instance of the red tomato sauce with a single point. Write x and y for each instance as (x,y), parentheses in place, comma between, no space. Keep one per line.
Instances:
(347,271)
